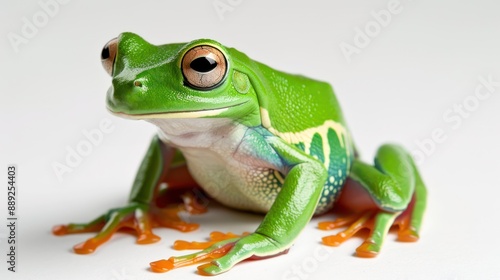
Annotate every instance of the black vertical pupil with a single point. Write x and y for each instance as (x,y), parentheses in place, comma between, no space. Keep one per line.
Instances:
(203,64)
(105,53)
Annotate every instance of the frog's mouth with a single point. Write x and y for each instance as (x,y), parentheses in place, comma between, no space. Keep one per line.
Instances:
(176,115)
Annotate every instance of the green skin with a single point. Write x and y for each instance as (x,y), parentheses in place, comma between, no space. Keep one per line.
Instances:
(288,127)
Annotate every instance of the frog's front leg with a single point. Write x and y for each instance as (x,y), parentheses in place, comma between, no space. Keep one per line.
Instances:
(290,212)
(142,212)
(399,195)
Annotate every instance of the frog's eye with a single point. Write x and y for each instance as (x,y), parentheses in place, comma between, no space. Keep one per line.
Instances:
(108,55)
(204,67)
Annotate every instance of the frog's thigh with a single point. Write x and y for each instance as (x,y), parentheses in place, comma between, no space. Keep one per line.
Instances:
(390,181)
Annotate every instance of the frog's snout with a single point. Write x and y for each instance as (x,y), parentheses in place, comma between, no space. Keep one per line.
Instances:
(116,99)
(108,55)
(125,96)
(112,103)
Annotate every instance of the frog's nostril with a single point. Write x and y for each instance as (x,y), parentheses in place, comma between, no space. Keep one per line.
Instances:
(137,83)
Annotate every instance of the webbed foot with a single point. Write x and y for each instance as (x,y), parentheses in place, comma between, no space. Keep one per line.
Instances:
(215,236)
(137,218)
(221,253)
(378,223)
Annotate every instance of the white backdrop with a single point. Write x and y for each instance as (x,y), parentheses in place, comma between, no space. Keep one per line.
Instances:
(421,73)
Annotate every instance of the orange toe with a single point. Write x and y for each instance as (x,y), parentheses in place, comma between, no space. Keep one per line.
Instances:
(86,247)
(408,235)
(162,266)
(368,250)
(60,230)
(147,238)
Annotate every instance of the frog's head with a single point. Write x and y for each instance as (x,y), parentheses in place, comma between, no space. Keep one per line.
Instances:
(198,79)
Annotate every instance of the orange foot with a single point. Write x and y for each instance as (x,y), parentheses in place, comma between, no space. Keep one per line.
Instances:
(377,222)
(136,218)
(215,236)
(217,246)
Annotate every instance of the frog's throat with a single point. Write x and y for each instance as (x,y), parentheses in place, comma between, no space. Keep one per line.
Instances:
(175,115)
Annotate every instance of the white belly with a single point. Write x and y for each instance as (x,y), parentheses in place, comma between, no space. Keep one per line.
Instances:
(230,182)
(209,146)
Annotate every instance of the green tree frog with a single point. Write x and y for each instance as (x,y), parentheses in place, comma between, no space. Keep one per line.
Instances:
(252,138)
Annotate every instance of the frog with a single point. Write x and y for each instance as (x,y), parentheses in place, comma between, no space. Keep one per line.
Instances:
(252,138)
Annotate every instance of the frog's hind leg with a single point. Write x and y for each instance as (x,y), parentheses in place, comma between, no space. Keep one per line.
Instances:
(391,184)
(410,220)
(180,193)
